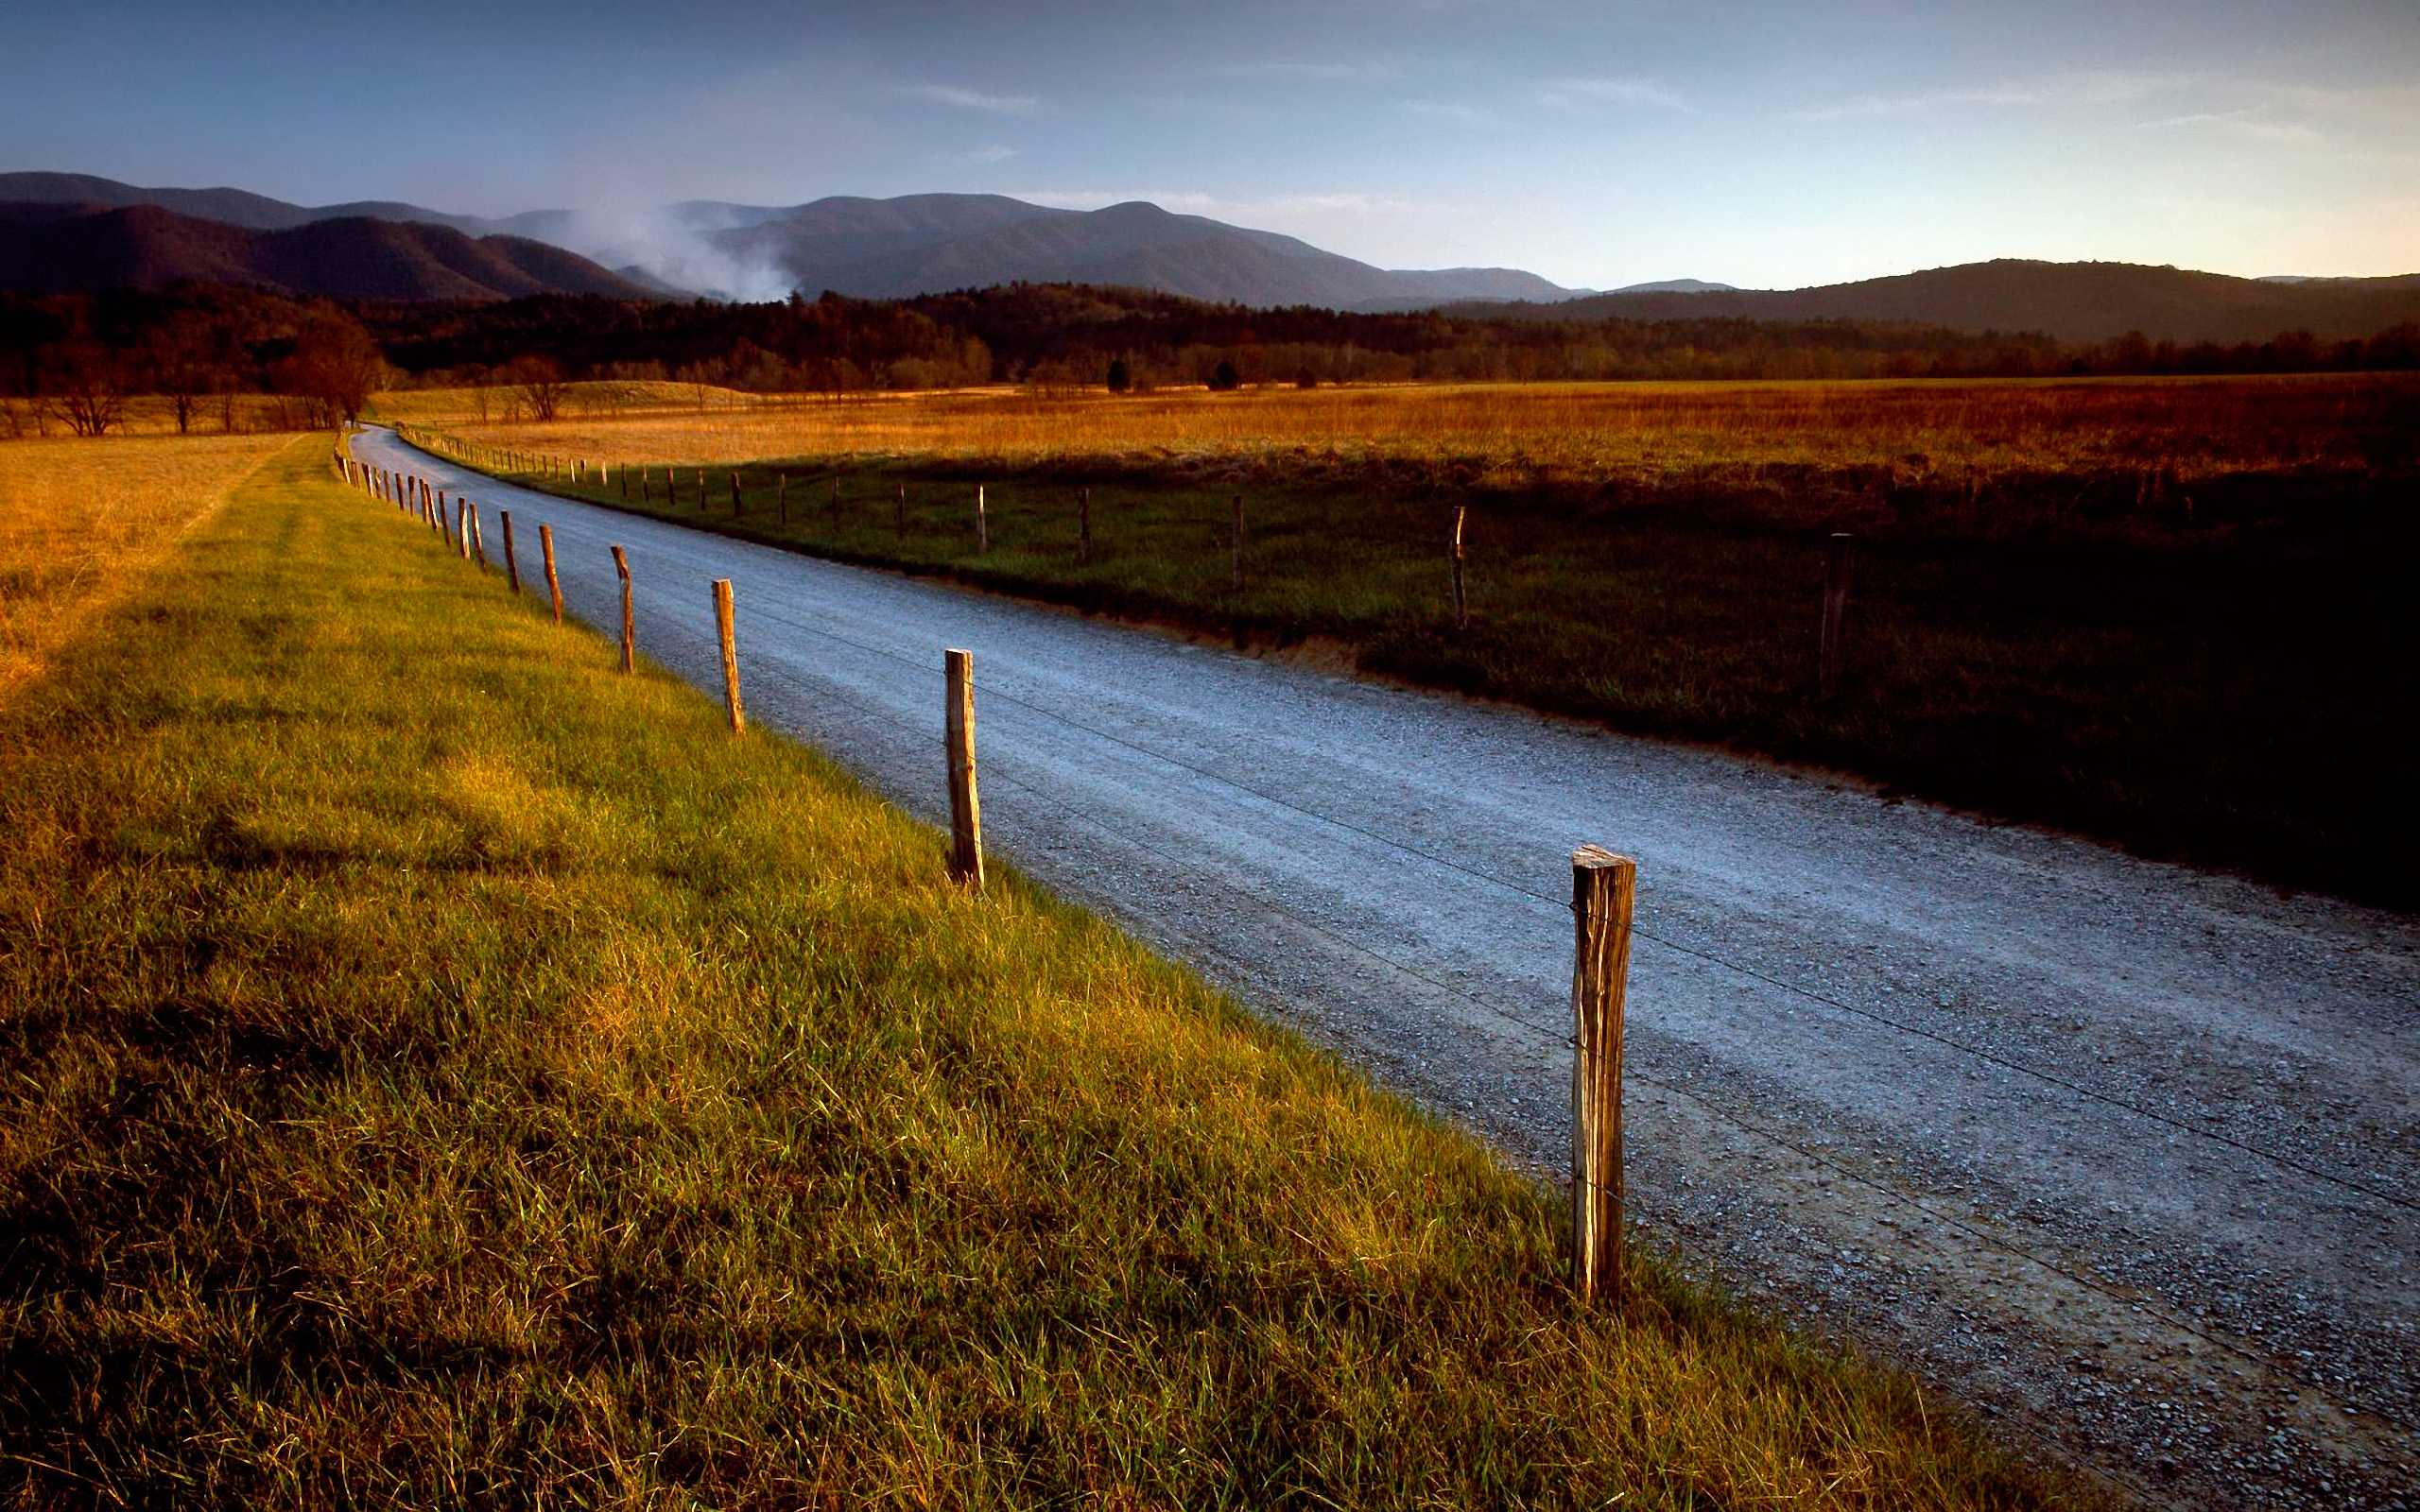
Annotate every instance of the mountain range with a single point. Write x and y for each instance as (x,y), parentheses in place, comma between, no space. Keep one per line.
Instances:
(64,233)
(68,249)
(2073,301)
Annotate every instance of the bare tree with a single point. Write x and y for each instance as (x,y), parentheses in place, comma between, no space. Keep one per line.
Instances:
(185,365)
(541,384)
(87,388)
(335,368)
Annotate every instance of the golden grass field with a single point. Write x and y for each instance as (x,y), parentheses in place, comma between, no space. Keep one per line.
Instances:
(155,415)
(1500,435)
(78,518)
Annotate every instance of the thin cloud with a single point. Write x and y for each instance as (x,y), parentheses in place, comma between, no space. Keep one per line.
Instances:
(1870,107)
(989,153)
(1633,92)
(973,99)
(2250,123)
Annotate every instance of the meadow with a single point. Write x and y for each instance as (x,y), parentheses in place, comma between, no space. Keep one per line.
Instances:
(1512,438)
(439,1068)
(79,521)
(2168,614)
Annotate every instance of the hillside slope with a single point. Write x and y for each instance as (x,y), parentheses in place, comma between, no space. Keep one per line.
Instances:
(48,248)
(2073,301)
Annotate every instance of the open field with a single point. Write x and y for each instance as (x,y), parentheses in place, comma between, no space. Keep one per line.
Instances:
(156,415)
(441,1069)
(1515,437)
(2192,652)
(78,518)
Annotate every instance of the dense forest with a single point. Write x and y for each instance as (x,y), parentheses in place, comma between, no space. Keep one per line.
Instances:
(192,341)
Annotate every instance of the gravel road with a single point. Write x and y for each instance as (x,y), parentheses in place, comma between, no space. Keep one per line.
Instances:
(2120,1153)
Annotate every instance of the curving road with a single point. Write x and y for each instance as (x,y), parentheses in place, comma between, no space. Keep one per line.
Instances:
(2121,1153)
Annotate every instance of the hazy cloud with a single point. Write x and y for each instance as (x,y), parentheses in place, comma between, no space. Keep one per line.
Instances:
(988,153)
(971,99)
(1638,92)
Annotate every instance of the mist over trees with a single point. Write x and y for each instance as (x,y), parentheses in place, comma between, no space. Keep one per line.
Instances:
(80,355)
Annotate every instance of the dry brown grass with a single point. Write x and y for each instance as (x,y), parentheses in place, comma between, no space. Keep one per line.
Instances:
(156,415)
(81,518)
(1514,435)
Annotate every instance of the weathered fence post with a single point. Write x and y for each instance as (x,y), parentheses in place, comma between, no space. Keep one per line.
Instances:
(1603,886)
(463,526)
(629,617)
(982,526)
(1461,604)
(734,496)
(724,629)
(477,542)
(782,497)
(1836,604)
(625,485)
(554,586)
(511,565)
(705,500)
(1235,574)
(1083,527)
(965,809)
(899,512)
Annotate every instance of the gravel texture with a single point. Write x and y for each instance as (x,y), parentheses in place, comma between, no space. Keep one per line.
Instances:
(2119,1153)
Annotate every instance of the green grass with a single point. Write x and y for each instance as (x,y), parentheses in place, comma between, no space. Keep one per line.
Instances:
(437,1068)
(2222,681)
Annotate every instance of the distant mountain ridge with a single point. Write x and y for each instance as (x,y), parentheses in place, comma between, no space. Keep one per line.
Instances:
(2073,301)
(923,244)
(55,234)
(914,244)
(56,249)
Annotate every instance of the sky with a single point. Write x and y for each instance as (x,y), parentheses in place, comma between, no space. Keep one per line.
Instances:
(1763,145)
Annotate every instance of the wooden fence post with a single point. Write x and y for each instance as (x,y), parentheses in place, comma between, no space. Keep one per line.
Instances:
(965,809)
(705,501)
(511,565)
(1461,604)
(734,496)
(625,485)
(1236,576)
(730,654)
(1836,604)
(982,526)
(1083,527)
(629,617)
(554,586)
(465,519)
(899,512)
(642,485)
(782,497)
(1603,886)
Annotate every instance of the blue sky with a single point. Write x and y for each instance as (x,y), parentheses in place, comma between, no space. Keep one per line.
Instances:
(1768,144)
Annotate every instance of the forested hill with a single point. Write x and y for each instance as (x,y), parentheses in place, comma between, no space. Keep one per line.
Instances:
(2072,301)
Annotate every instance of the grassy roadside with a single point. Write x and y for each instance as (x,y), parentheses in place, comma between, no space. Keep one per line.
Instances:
(439,1068)
(2212,674)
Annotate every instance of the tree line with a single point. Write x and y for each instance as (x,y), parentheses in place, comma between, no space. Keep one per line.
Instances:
(198,345)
